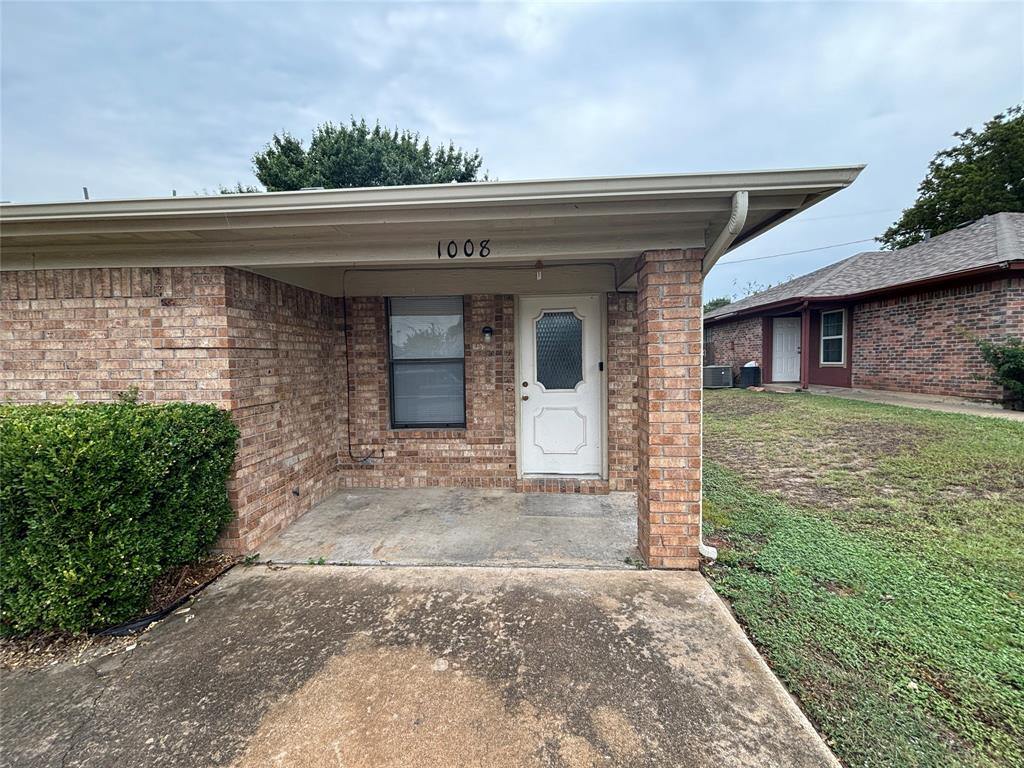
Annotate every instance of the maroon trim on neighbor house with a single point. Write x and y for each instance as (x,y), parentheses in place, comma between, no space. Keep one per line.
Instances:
(809,309)
(917,341)
(805,345)
(792,304)
(828,375)
(775,309)
(766,349)
(811,369)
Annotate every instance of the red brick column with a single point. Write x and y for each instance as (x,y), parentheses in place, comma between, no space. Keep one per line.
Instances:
(669,481)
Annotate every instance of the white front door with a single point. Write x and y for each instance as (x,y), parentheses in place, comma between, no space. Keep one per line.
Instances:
(786,349)
(561,381)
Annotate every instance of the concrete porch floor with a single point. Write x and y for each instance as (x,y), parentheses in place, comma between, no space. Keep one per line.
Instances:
(462,526)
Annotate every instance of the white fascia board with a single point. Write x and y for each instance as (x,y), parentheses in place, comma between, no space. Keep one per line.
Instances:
(496,193)
(607,219)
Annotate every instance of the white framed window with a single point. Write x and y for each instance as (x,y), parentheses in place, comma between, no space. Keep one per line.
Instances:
(833,337)
(427,362)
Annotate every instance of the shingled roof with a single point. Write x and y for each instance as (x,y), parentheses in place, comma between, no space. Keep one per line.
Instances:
(988,242)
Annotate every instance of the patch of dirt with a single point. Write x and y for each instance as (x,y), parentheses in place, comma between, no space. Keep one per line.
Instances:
(716,541)
(786,465)
(874,438)
(742,406)
(836,588)
(178,582)
(43,649)
(787,475)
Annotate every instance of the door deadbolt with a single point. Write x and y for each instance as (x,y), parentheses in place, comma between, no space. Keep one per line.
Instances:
(526,397)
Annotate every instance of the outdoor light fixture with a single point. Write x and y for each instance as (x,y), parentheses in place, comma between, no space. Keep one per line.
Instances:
(488,333)
(539,266)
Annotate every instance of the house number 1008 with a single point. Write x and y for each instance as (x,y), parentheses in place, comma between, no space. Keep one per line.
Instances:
(468,249)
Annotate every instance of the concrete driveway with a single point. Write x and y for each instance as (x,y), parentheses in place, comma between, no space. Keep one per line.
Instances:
(408,666)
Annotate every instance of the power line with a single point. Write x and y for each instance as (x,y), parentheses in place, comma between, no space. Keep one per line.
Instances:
(801,219)
(793,253)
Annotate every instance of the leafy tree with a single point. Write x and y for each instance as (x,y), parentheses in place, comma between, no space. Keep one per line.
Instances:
(721,301)
(982,174)
(356,155)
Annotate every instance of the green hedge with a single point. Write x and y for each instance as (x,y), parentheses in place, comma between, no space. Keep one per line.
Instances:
(97,500)
(1007,361)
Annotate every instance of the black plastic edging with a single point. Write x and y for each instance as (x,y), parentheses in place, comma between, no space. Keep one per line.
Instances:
(135,625)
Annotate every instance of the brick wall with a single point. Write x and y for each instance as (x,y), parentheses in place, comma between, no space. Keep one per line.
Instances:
(275,356)
(89,334)
(623,375)
(481,455)
(264,350)
(669,413)
(921,342)
(735,343)
(287,385)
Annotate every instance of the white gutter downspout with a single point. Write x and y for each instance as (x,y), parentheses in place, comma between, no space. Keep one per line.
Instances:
(737,220)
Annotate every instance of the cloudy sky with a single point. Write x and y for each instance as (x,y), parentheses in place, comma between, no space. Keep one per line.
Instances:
(135,99)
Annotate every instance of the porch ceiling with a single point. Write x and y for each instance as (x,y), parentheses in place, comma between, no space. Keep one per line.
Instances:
(600,219)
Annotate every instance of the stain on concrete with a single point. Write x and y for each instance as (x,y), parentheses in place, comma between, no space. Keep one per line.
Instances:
(424,667)
(380,706)
(615,731)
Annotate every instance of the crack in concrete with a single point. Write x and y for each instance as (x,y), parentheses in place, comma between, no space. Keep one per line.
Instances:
(79,732)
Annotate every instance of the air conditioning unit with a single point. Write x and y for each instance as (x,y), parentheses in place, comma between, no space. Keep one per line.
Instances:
(717,376)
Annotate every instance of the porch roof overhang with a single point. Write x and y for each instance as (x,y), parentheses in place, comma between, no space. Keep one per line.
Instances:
(606,220)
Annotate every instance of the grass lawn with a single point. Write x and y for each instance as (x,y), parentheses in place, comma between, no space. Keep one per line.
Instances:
(875,555)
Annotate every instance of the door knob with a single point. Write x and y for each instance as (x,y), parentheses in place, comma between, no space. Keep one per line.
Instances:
(526,397)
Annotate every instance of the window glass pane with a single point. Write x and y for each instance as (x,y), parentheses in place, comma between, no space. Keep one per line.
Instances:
(426,328)
(559,350)
(832,350)
(428,393)
(832,324)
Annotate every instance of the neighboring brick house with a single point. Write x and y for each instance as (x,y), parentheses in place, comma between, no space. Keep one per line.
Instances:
(530,336)
(906,320)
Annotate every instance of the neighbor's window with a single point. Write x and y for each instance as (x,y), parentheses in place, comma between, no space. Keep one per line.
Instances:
(427,362)
(833,337)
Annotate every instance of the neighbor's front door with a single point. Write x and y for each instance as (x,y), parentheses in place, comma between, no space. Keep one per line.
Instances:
(786,349)
(561,379)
